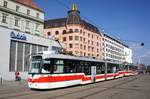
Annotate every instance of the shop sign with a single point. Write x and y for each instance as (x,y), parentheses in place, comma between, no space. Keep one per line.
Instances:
(18,36)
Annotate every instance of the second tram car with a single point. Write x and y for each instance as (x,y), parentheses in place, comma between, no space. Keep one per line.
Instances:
(48,71)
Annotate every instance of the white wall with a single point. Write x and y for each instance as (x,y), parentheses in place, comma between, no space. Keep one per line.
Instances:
(117,51)
(128,55)
(5,51)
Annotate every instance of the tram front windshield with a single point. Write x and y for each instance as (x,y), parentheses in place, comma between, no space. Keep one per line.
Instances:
(39,65)
(35,65)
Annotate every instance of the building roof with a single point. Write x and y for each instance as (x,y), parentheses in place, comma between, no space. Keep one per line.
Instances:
(55,23)
(29,3)
(60,22)
(116,39)
(73,18)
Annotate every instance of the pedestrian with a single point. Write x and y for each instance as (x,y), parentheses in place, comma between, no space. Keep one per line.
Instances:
(17,76)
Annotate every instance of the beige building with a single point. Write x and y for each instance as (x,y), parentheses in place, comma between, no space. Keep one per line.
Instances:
(80,37)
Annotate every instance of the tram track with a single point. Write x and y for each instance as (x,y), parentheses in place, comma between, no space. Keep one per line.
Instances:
(39,93)
(97,92)
(109,88)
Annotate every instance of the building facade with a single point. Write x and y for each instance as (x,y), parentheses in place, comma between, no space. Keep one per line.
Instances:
(115,50)
(80,37)
(21,34)
(22,15)
(127,54)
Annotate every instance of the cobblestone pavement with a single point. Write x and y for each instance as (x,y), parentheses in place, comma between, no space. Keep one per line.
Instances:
(133,87)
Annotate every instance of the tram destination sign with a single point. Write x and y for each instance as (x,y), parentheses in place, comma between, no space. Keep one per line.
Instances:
(19,36)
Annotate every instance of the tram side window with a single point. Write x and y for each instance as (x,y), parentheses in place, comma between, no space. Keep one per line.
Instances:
(69,66)
(46,68)
(79,69)
(103,69)
(87,69)
(58,66)
(99,70)
(120,67)
(109,69)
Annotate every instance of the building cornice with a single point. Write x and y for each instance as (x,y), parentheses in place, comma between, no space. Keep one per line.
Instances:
(35,8)
(21,14)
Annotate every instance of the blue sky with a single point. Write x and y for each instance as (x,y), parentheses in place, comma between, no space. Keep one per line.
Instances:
(125,19)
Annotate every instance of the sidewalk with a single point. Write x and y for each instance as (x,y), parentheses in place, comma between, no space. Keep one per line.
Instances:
(6,83)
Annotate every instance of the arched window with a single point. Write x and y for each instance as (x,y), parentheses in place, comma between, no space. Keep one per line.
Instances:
(80,31)
(48,33)
(64,32)
(56,33)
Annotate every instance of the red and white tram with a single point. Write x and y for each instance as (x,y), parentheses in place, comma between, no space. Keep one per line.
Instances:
(48,71)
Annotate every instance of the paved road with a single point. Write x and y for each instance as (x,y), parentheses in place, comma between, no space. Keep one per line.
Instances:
(133,87)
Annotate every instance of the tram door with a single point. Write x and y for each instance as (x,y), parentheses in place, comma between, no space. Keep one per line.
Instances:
(93,73)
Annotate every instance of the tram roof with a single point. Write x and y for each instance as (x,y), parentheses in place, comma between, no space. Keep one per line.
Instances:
(69,57)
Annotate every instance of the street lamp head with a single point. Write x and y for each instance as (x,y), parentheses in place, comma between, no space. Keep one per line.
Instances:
(142,44)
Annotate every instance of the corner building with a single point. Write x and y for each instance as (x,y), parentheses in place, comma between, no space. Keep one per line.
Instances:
(21,34)
(80,37)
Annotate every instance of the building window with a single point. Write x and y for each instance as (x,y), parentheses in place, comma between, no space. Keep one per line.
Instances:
(97,50)
(84,47)
(12,56)
(88,35)
(70,46)
(17,22)
(92,49)
(84,40)
(4,18)
(80,46)
(26,57)
(28,12)
(64,32)
(89,48)
(80,38)
(17,8)
(76,45)
(56,33)
(97,44)
(48,33)
(70,31)
(76,30)
(70,38)
(76,38)
(19,56)
(5,4)
(27,24)
(37,15)
(81,31)
(37,27)
(92,43)
(84,33)
(97,38)
(64,38)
